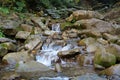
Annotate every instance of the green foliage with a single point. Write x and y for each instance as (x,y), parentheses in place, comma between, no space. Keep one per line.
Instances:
(16,5)
(20,5)
(4,10)
(23,5)
(1,33)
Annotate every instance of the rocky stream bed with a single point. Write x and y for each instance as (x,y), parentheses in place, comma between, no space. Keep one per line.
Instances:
(84,46)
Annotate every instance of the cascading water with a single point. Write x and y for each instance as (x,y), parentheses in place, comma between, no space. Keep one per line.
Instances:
(50,48)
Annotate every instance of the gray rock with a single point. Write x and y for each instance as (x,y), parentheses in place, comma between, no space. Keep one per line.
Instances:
(10,27)
(31,66)
(83,14)
(38,22)
(68,52)
(32,41)
(15,57)
(103,58)
(113,70)
(22,35)
(49,33)
(26,27)
(111,38)
(7,40)
(95,25)
(9,46)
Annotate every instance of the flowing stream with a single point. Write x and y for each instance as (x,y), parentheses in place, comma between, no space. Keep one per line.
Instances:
(49,51)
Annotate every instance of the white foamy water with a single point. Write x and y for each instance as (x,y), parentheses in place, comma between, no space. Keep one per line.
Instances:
(56,27)
(54,78)
(49,51)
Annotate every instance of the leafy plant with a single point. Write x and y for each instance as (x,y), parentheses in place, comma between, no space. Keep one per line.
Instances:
(20,6)
(1,33)
(4,10)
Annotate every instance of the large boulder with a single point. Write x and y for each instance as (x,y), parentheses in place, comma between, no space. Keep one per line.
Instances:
(89,33)
(10,27)
(86,41)
(67,53)
(83,14)
(31,66)
(15,57)
(68,34)
(103,59)
(85,59)
(39,23)
(115,50)
(95,25)
(26,27)
(111,38)
(113,70)
(9,46)
(32,41)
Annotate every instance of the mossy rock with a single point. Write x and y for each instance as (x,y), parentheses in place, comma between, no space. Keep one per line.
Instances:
(66,25)
(104,58)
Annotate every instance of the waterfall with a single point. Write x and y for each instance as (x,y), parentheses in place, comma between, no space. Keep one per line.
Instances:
(49,50)
(56,27)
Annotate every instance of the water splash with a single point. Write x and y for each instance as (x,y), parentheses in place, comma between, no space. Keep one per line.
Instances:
(50,48)
(49,52)
(56,27)
(54,78)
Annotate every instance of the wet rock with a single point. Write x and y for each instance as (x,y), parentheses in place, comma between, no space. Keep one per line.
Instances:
(86,41)
(91,48)
(69,53)
(15,57)
(10,27)
(49,33)
(95,25)
(31,66)
(73,33)
(89,33)
(38,22)
(22,35)
(7,40)
(56,36)
(26,27)
(9,46)
(58,67)
(111,38)
(102,41)
(113,70)
(90,77)
(114,49)
(32,41)
(83,14)
(85,59)
(103,58)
